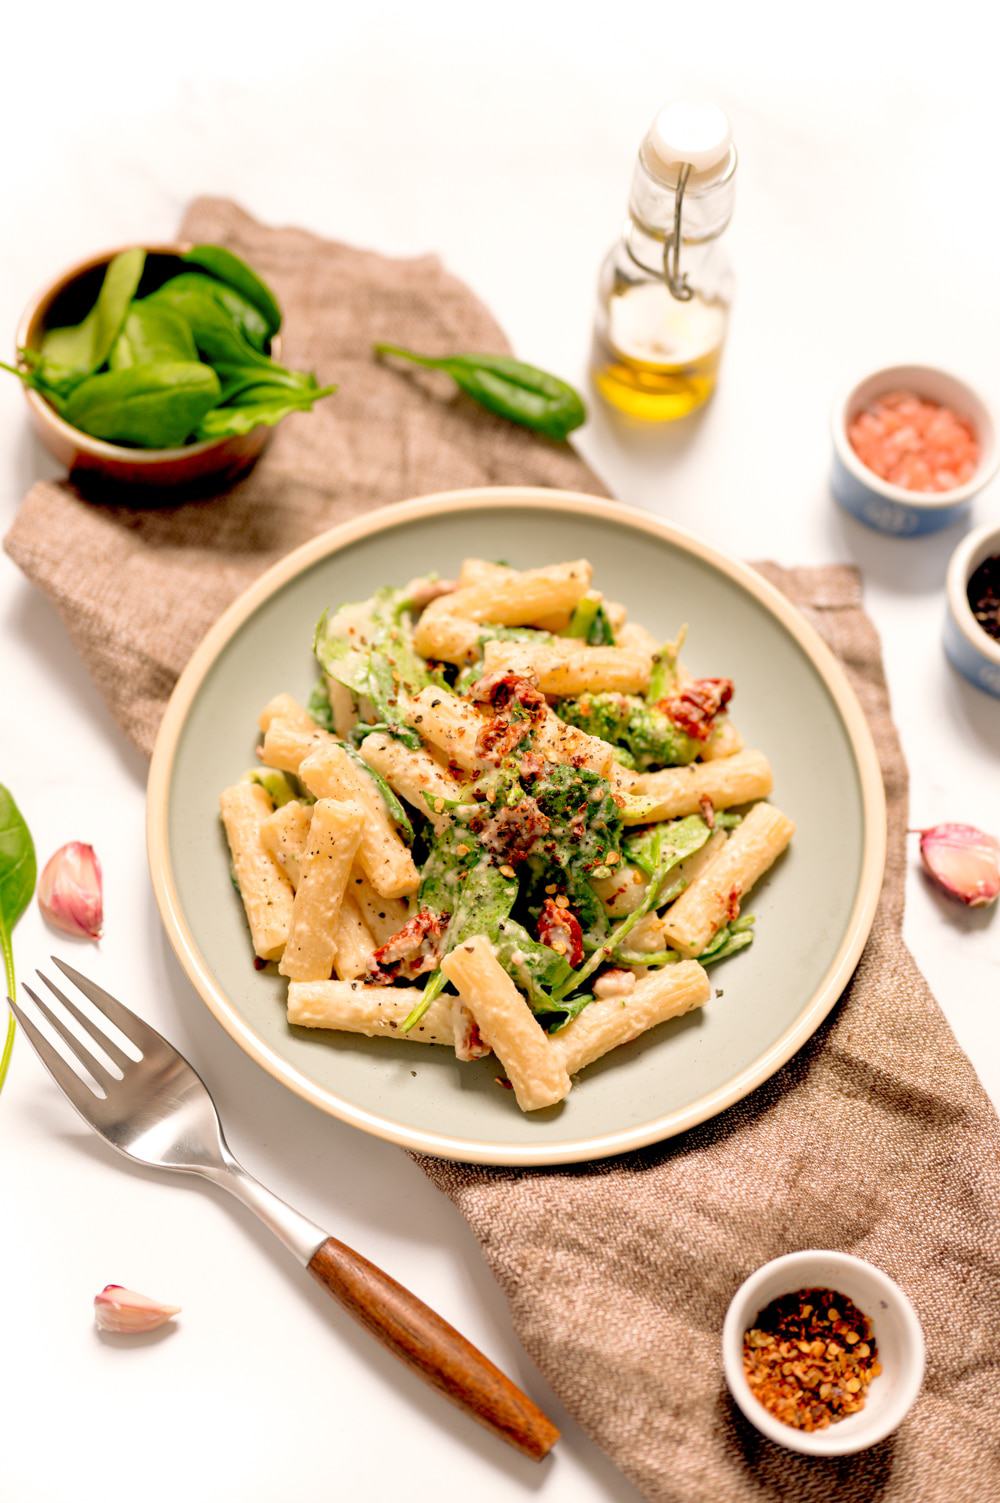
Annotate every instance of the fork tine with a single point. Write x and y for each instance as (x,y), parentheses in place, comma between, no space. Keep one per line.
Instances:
(79,1093)
(77,1047)
(135,1030)
(110,1048)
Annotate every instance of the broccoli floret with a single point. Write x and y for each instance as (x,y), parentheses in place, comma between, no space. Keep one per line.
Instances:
(627,721)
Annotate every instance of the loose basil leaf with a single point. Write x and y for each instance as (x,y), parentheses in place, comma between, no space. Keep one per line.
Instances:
(229,268)
(152,334)
(18,871)
(68,355)
(509,387)
(247,317)
(151,406)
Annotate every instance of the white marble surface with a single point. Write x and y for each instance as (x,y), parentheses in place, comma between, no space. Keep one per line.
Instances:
(865,230)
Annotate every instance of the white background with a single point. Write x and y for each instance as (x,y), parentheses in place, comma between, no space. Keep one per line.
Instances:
(503,137)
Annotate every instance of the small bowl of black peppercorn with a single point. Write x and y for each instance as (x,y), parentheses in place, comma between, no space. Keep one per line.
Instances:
(972,624)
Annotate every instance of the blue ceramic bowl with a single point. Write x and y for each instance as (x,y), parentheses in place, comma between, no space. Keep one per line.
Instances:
(969,649)
(890,508)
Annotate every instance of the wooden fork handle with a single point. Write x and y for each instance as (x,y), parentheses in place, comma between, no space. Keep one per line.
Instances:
(432,1348)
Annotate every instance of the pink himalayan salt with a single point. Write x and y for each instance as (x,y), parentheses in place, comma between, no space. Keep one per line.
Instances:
(921,446)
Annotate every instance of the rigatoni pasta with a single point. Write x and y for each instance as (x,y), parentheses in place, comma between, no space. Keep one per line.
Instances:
(264,889)
(511,821)
(676,791)
(534,1067)
(716,895)
(329,772)
(614,1020)
(334,835)
(285,833)
(562,668)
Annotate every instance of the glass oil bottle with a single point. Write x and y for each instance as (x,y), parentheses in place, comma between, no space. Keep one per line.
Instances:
(666,287)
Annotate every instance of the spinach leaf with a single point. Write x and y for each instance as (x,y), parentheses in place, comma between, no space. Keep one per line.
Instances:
(222,344)
(152,334)
(459,879)
(281,787)
(397,813)
(68,355)
(155,406)
(535,967)
(259,407)
(509,387)
(247,318)
(453,854)
(320,708)
(218,337)
(625,720)
(584,829)
(18,871)
(673,843)
(379,663)
(731,938)
(234,272)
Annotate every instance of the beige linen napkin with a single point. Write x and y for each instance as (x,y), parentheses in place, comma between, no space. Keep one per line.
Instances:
(876,1138)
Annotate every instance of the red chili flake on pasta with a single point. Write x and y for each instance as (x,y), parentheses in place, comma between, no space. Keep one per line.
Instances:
(559,928)
(918,445)
(694,707)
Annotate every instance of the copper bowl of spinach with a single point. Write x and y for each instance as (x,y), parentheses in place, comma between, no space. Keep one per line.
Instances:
(158,367)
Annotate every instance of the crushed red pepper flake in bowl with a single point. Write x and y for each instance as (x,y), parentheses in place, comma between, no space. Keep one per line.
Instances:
(809,1358)
(918,445)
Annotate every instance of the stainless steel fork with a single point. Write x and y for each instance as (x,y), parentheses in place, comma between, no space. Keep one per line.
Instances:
(157,1110)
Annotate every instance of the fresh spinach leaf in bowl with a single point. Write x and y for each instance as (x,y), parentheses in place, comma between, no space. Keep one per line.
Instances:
(184,362)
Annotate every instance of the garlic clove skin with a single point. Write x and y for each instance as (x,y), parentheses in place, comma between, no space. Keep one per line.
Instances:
(964,862)
(70,891)
(125,1311)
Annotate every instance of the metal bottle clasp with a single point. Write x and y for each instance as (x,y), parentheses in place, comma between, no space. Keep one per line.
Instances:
(676,280)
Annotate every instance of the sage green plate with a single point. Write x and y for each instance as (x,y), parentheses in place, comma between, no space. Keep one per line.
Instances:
(814,910)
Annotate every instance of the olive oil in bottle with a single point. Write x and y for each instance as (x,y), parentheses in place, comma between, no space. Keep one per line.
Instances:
(666,287)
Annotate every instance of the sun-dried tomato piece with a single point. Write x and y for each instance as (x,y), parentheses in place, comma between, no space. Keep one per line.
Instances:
(518,707)
(503,689)
(412,950)
(694,707)
(559,928)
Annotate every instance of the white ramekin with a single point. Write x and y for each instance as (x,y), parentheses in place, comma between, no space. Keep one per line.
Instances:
(969,649)
(897,1332)
(890,508)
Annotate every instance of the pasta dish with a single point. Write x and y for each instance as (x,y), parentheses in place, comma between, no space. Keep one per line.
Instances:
(509,821)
